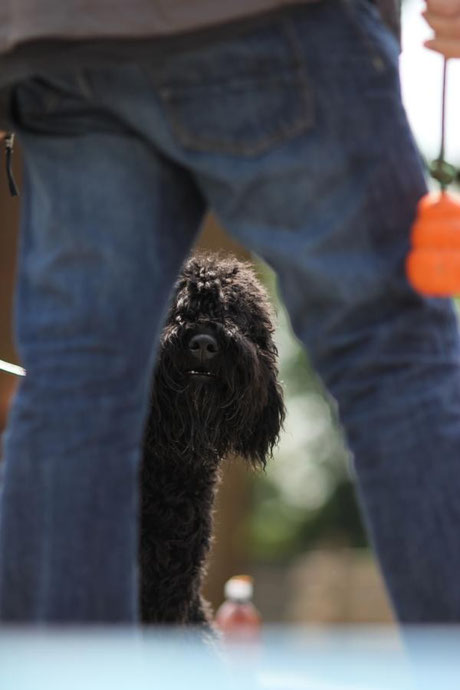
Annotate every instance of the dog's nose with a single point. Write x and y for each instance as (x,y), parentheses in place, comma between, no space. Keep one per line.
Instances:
(203,346)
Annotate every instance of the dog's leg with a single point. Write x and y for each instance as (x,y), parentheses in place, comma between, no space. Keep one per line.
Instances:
(176,526)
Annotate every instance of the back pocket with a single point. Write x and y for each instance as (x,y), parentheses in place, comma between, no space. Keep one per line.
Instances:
(56,103)
(239,96)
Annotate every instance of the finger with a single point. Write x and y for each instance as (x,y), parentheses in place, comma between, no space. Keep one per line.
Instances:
(448,47)
(442,26)
(445,8)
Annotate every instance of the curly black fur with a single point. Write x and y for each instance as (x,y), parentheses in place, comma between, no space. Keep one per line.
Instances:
(212,396)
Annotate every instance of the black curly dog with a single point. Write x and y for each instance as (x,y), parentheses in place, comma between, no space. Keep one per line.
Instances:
(215,392)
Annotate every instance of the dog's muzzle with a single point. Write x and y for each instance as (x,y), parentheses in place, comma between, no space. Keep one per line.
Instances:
(202,349)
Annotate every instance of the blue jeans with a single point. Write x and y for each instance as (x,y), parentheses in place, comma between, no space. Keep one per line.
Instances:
(293,131)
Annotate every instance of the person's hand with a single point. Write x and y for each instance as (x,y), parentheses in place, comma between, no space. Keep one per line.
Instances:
(2,135)
(444,18)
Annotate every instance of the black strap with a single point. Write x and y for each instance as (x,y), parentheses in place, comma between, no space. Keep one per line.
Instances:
(440,169)
(9,144)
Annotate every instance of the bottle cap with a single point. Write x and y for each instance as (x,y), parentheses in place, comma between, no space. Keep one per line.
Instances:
(239,587)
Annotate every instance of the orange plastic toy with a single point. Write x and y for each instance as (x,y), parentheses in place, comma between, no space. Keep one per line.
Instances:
(433,265)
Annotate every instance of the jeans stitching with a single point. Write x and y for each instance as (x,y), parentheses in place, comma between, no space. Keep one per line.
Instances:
(297,80)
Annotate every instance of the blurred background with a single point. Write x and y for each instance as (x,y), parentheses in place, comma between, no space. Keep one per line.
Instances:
(296,528)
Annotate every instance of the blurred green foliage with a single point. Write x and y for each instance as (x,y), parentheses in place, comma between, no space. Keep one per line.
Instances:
(305,498)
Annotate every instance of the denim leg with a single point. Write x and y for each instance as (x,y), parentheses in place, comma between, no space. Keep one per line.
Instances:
(391,361)
(326,191)
(106,224)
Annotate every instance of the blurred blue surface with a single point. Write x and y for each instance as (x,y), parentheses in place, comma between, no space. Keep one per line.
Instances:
(345,658)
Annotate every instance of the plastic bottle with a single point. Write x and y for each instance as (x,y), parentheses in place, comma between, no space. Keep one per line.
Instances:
(237,618)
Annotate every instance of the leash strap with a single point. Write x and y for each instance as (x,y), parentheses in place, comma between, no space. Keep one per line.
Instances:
(12,368)
(440,169)
(9,146)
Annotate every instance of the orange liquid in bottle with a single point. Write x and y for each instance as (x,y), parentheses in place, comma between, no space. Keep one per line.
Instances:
(237,618)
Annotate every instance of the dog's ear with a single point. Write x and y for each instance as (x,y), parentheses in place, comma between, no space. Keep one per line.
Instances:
(264,429)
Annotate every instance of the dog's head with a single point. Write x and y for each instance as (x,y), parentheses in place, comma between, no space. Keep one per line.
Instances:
(216,387)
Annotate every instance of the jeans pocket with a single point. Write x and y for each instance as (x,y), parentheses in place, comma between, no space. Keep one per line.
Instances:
(239,96)
(46,103)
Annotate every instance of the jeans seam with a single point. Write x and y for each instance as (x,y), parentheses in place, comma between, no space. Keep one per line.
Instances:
(308,92)
(377,59)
